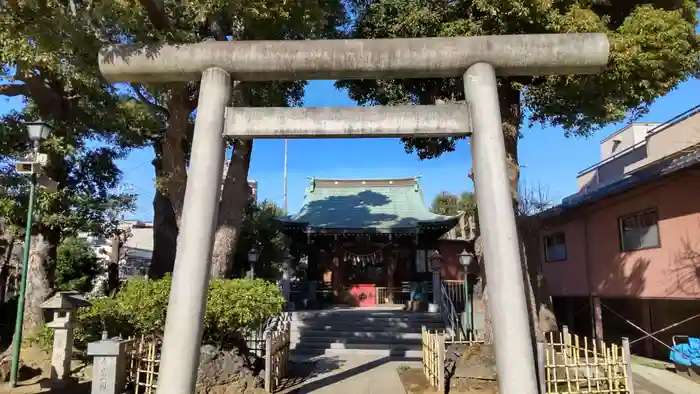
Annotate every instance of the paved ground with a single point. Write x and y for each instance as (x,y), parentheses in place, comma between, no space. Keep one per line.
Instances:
(648,380)
(352,375)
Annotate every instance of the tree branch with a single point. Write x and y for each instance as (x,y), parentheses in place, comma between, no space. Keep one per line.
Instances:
(13,90)
(156,13)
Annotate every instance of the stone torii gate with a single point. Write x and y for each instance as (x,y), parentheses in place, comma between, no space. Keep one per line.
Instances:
(477,59)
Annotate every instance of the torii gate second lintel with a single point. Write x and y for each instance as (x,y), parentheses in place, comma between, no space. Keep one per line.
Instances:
(477,59)
(348,122)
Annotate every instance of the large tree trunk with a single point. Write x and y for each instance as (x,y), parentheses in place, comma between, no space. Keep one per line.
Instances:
(539,303)
(165,228)
(165,232)
(9,240)
(39,287)
(171,173)
(175,151)
(42,257)
(234,198)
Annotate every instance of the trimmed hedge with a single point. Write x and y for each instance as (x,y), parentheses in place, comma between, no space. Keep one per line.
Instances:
(234,306)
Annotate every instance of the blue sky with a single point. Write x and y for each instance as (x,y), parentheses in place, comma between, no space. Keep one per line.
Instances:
(548,159)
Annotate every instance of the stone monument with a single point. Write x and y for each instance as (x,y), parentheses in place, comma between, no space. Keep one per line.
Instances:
(109,366)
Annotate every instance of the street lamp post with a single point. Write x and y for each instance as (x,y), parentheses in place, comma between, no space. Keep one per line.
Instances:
(252,259)
(465,259)
(37,131)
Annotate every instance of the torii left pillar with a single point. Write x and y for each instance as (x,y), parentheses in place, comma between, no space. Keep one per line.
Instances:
(194,248)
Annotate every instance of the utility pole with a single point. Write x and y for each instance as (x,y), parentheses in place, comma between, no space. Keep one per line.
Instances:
(284,201)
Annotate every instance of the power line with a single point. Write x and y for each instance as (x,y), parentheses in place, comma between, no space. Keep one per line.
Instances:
(136,167)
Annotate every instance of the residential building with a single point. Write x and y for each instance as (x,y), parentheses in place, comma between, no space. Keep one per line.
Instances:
(139,247)
(622,256)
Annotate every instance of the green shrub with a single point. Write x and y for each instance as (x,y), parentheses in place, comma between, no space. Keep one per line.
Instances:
(237,305)
(233,307)
(76,265)
(43,339)
(105,314)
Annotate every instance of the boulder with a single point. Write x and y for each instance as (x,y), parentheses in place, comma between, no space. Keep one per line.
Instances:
(226,372)
(477,361)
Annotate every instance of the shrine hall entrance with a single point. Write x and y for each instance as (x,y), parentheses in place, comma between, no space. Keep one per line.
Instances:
(365,241)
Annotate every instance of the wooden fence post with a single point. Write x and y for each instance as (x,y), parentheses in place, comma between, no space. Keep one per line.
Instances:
(441,362)
(268,363)
(541,366)
(627,358)
(565,332)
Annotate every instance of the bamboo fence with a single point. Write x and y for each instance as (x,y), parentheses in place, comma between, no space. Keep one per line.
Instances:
(567,364)
(143,363)
(276,357)
(143,360)
(433,346)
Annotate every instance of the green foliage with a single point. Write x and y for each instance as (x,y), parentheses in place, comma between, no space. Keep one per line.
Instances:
(447,203)
(42,339)
(237,305)
(48,60)
(197,21)
(654,47)
(105,314)
(77,265)
(233,306)
(259,231)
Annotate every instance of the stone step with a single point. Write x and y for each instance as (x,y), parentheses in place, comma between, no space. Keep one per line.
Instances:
(303,354)
(352,345)
(367,335)
(360,331)
(352,339)
(367,323)
(350,316)
(360,319)
(364,326)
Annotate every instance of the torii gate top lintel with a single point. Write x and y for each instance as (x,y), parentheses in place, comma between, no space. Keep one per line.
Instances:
(533,54)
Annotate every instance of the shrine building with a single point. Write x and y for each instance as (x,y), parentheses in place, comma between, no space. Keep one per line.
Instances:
(366,241)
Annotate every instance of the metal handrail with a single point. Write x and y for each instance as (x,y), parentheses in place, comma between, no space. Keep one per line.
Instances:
(450,317)
(656,130)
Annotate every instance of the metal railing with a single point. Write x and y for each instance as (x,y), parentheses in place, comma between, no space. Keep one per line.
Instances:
(452,319)
(656,130)
(455,290)
(401,293)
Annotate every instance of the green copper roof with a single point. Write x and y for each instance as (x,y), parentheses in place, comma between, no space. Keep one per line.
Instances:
(383,205)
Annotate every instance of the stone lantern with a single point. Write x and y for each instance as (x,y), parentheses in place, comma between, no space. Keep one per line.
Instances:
(64,305)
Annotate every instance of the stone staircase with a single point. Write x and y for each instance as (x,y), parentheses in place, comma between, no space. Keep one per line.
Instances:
(360,331)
